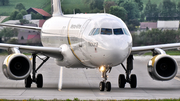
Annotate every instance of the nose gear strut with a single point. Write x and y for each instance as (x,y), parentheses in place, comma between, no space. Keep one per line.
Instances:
(105,84)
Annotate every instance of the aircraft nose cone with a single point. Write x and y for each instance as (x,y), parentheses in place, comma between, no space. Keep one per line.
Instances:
(114,51)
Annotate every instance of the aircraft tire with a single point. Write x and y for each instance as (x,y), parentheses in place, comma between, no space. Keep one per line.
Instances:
(121,81)
(39,81)
(101,86)
(133,82)
(108,86)
(28,82)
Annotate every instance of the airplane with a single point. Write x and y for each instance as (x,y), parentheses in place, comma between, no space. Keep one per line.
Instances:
(97,41)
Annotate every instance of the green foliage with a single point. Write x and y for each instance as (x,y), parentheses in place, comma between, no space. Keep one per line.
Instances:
(156,36)
(36,16)
(109,4)
(13,15)
(23,21)
(4,2)
(140,4)
(20,7)
(7,10)
(168,9)
(8,33)
(77,10)
(119,12)
(19,16)
(12,41)
(39,16)
(151,11)
(132,9)
(23,12)
(76,99)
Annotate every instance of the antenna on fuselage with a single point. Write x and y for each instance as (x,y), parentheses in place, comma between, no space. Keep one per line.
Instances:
(56,8)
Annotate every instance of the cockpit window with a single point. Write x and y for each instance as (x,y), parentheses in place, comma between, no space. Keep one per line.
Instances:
(97,31)
(106,31)
(126,31)
(118,31)
(92,31)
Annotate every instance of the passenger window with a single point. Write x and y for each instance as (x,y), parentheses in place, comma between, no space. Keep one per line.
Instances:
(97,31)
(126,31)
(106,31)
(118,31)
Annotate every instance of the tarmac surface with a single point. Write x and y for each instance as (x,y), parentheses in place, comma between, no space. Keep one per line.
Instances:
(84,84)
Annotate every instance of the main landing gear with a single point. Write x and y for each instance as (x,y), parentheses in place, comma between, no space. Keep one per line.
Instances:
(39,79)
(103,84)
(132,80)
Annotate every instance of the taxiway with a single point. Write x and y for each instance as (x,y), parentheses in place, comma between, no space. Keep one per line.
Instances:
(84,84)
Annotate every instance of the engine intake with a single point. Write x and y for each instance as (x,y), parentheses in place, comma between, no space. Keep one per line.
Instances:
(162,67)
(17,67)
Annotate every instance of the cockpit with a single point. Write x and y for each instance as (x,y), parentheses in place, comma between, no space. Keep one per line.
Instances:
(109,31)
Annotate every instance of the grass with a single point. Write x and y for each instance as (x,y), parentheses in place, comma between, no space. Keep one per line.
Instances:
(76,99)
(6,10)
(72,4)
(169,52)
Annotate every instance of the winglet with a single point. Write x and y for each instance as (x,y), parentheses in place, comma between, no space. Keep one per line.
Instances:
(56,8)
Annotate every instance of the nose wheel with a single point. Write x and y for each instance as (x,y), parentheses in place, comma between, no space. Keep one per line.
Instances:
(103,84)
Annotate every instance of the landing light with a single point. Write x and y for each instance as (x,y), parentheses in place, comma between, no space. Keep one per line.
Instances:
(102,68)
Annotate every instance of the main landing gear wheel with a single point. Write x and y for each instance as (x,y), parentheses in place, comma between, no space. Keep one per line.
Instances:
(121,81)
(132,80)
(39,79)
(28,82)
(103,84)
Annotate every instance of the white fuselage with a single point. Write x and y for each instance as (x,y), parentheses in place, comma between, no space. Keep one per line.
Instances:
(88,40)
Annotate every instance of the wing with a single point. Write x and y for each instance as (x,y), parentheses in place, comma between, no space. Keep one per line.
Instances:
(48,51)
(19,26)
(144,49)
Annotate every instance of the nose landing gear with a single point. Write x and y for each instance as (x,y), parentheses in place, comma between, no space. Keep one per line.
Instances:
(103,84)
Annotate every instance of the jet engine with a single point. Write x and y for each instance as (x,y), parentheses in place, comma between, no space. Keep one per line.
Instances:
(162,67)
(17,67)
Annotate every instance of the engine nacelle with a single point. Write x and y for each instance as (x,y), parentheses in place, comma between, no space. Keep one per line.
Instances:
(162,67)
(17,67)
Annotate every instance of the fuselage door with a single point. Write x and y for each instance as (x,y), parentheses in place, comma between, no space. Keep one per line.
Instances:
(75,31)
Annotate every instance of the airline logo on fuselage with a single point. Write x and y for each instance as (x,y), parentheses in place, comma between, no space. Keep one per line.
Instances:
(76,26)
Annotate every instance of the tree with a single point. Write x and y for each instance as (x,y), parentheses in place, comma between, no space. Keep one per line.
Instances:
(140,4)
(13,15)
(108,4)
(77,10)
(168,9)
(151,11)
(95,4)
(119,12)
(23,21)
(8,33)
(119,2)
(23,12)
(20,7)
(4,2)
(39,16)
(178,9)
(132,9)
(33,15)
(19,16)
